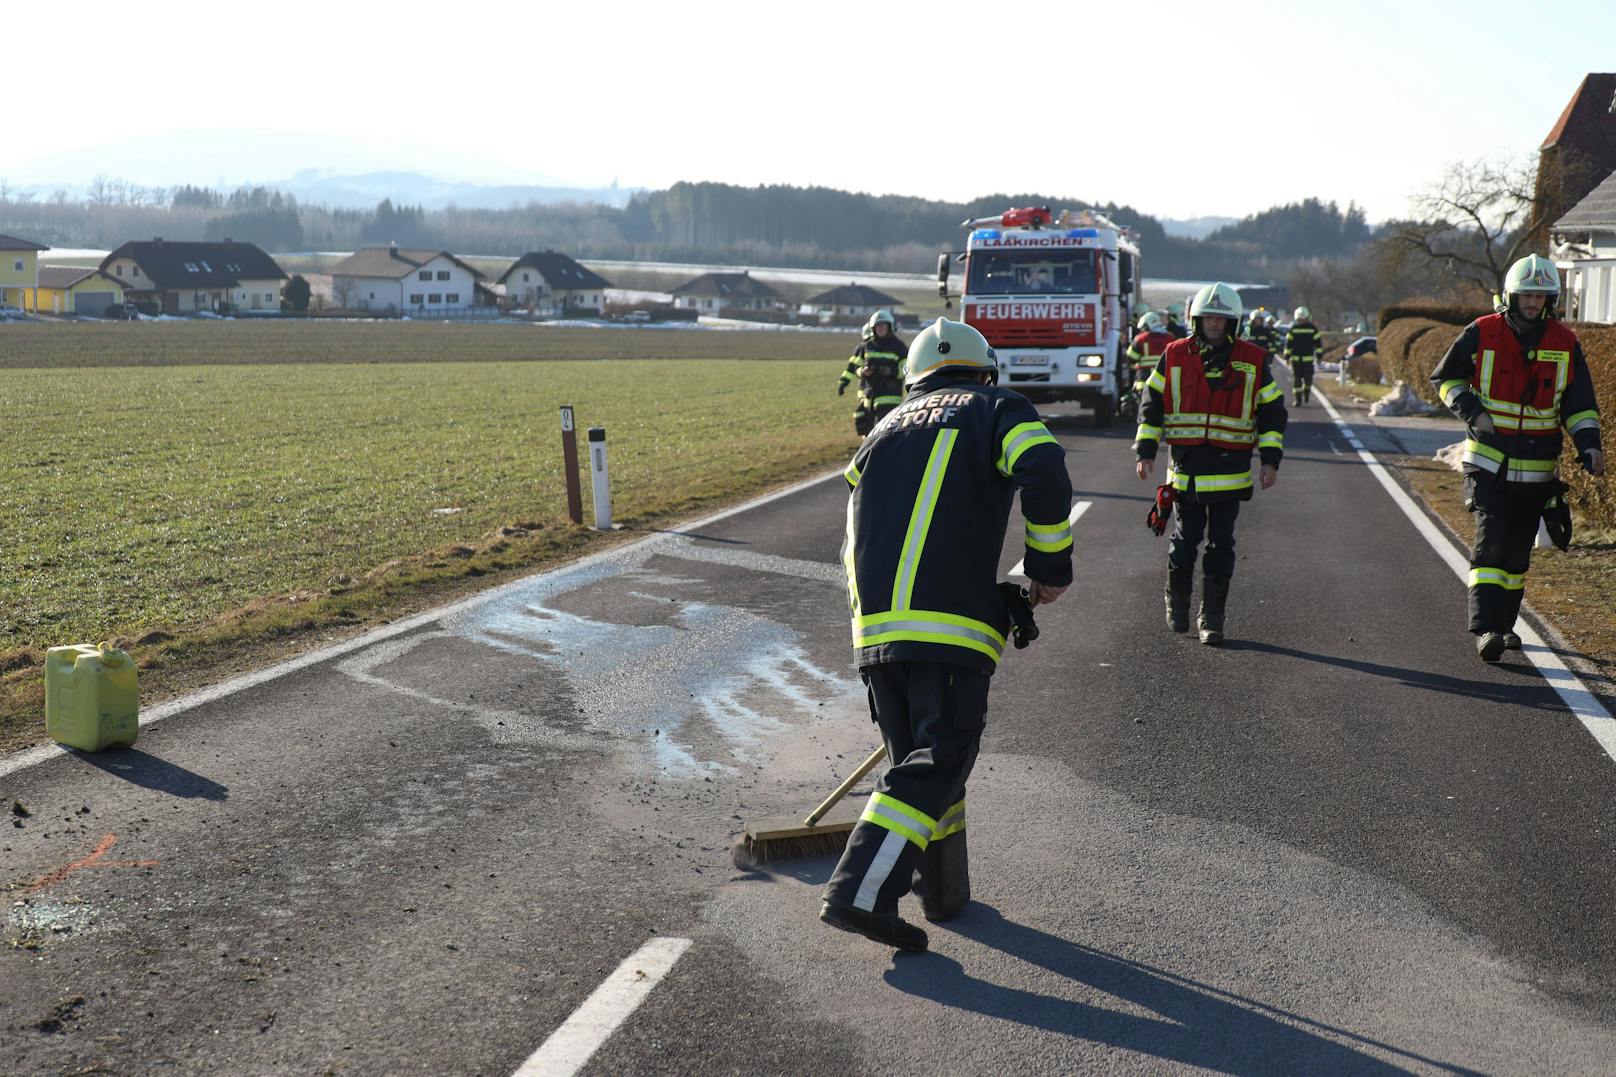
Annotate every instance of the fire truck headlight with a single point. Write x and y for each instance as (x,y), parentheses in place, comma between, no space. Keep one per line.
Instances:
(1094,360)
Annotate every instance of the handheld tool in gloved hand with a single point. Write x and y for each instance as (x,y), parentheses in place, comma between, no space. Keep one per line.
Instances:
(1161,513)
(788,837)
(1557,516)
(1018,604)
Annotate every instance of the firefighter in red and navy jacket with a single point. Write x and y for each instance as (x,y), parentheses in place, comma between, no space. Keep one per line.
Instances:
(932,488)
(1213,400)
(1517,378)
(1147,347)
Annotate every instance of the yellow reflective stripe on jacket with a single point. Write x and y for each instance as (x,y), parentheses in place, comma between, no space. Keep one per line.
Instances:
(883,401)
(1269,393)
(1482,455)
(1156,381)
(1211,484)
(1049,538)
(1022,437)
(852,474)
(1582,420)
(952,822)
(1451,389)
(900,818)
(927,626)
(1515,469)
(1509,581)
(1529,470)
(1273,439)
(1146,432)
(914,541)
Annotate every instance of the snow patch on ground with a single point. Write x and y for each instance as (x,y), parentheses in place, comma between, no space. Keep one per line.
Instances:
(1401,401)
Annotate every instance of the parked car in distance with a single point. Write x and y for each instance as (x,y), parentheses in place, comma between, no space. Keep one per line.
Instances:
(11,314)
(1360,347)
(120,312)
(637,316)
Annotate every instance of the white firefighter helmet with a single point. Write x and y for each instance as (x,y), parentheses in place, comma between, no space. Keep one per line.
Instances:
(1217,299)
(882,315)
(1534,274)
(1150,322)
(1301,315)
(947,344)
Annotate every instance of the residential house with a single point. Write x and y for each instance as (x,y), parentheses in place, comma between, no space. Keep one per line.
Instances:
(554,280)
(1585,253)
(183,277)
(75,290)
(405,281)
(1577,154)
(849,302)
(715,293)
(19,269)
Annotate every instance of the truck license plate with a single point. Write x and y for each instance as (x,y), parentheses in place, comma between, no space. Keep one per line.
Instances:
(1029,360)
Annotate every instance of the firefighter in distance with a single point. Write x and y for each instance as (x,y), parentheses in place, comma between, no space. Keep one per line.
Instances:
(1518,379)
(1147,347)
(1213,400)
(1302,348)
(931,492)
(877,363)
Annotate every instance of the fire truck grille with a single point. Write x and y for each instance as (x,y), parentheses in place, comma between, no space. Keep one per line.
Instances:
(1007,337)
(1029,377)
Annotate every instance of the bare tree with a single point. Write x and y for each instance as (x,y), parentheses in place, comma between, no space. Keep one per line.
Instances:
(342,291)
(1472,224)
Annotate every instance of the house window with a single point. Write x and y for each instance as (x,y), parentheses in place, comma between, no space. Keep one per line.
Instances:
(119,269)
(134,270)
(269,297)
(435,297)
(415,299)
(443,274)
(17,265)
(524,278)
(373,295)
(453,297)
(425,274)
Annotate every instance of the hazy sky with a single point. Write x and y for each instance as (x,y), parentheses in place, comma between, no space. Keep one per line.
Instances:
(1179,108)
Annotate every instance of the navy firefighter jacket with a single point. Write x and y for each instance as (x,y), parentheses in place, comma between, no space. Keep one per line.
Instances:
(926,521)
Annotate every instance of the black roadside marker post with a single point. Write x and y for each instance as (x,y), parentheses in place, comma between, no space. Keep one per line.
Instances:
(597,469)
(569,458)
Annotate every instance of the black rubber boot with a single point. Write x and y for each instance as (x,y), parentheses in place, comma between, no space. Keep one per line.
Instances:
(1214,600)
(888,928)
(1512,642)
(943,881)
(1180,582)
(1490,646)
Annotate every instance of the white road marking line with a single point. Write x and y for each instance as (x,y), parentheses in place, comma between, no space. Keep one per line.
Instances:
(1076,514)
(1576,696)
(151,715)
(825,571)
(593,1023)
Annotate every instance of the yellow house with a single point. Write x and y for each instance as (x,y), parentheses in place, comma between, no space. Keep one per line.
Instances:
(74,290)
(19,269)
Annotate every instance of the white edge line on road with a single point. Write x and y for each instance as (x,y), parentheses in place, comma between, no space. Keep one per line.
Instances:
(1576,696)
(593,1023)
(34,756)
(1076,514)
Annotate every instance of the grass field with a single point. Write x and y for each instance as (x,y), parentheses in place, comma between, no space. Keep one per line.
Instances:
(200,507)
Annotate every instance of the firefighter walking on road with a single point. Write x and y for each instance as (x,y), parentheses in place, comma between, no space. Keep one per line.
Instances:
(1213,399)
(877,364)
(1144,353)
(932,488)
(1517,378)
(1302,348)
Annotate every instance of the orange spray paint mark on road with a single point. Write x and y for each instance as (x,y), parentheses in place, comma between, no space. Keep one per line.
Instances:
(94,860)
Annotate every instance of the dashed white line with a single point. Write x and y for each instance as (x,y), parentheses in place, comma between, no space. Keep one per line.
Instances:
(1076,514)
(593,1023)
(1576,696)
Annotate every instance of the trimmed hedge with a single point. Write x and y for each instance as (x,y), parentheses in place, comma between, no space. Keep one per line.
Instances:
(1412,346)
(1432,310)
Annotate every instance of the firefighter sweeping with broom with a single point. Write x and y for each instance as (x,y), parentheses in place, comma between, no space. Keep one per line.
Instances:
(931,493)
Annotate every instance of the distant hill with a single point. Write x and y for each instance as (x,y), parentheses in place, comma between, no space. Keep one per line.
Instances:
(365,190)
(1195,227)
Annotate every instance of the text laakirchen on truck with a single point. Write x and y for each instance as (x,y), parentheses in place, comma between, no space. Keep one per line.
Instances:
(1055,297)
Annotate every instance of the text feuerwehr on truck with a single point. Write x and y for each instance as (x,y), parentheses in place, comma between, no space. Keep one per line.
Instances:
(1055,298)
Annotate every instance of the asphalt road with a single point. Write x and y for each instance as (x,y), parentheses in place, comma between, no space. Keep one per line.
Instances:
(1337,844)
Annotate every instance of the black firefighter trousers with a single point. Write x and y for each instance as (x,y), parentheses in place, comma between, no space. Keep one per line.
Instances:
(931,717)
(1506,529)
(1191,521)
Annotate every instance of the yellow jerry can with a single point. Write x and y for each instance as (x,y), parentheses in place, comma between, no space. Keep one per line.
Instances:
(91,698)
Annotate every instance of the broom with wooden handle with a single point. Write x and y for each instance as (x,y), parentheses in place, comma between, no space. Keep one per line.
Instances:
(789,838)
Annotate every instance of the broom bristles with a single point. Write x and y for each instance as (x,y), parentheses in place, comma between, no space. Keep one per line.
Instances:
(750,851)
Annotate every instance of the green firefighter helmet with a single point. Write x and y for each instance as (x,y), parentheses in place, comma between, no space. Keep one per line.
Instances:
(1301,315)
(1534,274)
(944,345)
(1217,299)
(1150,322)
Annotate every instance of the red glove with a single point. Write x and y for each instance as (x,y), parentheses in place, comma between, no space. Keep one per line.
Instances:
(1162,511)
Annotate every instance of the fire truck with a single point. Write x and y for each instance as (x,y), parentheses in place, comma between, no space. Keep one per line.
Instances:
(1055,297)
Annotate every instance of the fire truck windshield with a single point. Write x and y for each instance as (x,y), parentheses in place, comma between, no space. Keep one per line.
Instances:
(1023,272)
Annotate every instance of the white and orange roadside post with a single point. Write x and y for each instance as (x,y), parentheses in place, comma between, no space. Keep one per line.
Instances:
(569,460)
(597,469)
